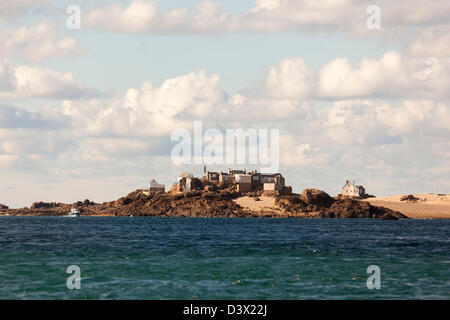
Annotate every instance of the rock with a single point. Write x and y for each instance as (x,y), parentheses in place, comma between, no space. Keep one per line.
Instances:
(4,207)
(388,216)
(350,208)
(87,203)
(409,198)
(45,205)
(210,187)
(190,194)
(317,197)
(219,203)
(316,203)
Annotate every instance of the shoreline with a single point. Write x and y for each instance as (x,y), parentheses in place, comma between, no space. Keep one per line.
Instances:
(312,203)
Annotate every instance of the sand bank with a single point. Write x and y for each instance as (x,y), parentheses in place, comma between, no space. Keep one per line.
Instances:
(429,205)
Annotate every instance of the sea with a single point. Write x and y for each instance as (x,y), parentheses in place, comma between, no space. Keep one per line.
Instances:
(206,258)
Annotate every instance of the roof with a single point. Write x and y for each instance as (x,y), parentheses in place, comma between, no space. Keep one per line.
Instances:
(349,182)
(155,184)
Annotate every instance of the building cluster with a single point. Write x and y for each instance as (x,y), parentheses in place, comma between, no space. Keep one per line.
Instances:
(242,181)
(248,181)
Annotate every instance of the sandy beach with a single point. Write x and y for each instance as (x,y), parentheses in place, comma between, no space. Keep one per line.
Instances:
(429,205)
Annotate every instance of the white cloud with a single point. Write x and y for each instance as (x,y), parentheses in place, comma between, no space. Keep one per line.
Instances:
(7,77)
(37,43)
(266,5)
(37,82)
(137,17)
(293,153)
(393,75)
(10,9)
(47,119)
(432,42)
(293,79)
(321,143)
(377,122)
(150,111)
(266,16)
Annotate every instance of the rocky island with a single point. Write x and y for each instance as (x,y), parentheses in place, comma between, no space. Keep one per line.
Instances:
(236,193)
(312,203)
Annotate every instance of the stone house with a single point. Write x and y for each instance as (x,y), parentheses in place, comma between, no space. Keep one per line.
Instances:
(243,182)
(155,187)
(212,176)
(248,181)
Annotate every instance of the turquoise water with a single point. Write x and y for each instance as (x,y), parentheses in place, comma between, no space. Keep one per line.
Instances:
(151,258)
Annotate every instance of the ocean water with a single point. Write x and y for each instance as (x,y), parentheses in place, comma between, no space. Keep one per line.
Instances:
(162,258)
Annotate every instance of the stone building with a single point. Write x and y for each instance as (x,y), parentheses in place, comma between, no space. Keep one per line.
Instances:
(243,182)
(155,187)
(248,181)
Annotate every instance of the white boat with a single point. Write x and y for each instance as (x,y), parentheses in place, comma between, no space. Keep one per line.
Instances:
(74,212)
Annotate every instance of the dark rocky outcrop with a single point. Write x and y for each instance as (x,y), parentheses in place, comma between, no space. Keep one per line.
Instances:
(4,207)
(409,198)
(317,198)
(316,203)
(350,208)
(312,203)
(45,205)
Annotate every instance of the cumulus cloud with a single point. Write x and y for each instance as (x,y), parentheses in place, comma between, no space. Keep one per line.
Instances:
(266,16)
(137,17)
(293,79)
(432,42)
(377,122)
(150,111)
(294,153)
(393,75)
(321,143)
(37,43)
(7,77)
(47,119)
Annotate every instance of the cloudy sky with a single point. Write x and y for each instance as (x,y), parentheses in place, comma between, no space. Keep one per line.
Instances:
(88,113)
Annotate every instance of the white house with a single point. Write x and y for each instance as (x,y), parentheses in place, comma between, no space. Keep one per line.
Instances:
(350,189)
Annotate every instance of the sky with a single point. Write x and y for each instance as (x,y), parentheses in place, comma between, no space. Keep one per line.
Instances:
(89,112)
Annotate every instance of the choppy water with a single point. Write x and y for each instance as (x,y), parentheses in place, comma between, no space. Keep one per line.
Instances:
(150,258)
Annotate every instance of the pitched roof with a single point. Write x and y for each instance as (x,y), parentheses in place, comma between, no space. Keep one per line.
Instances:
(155,184)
